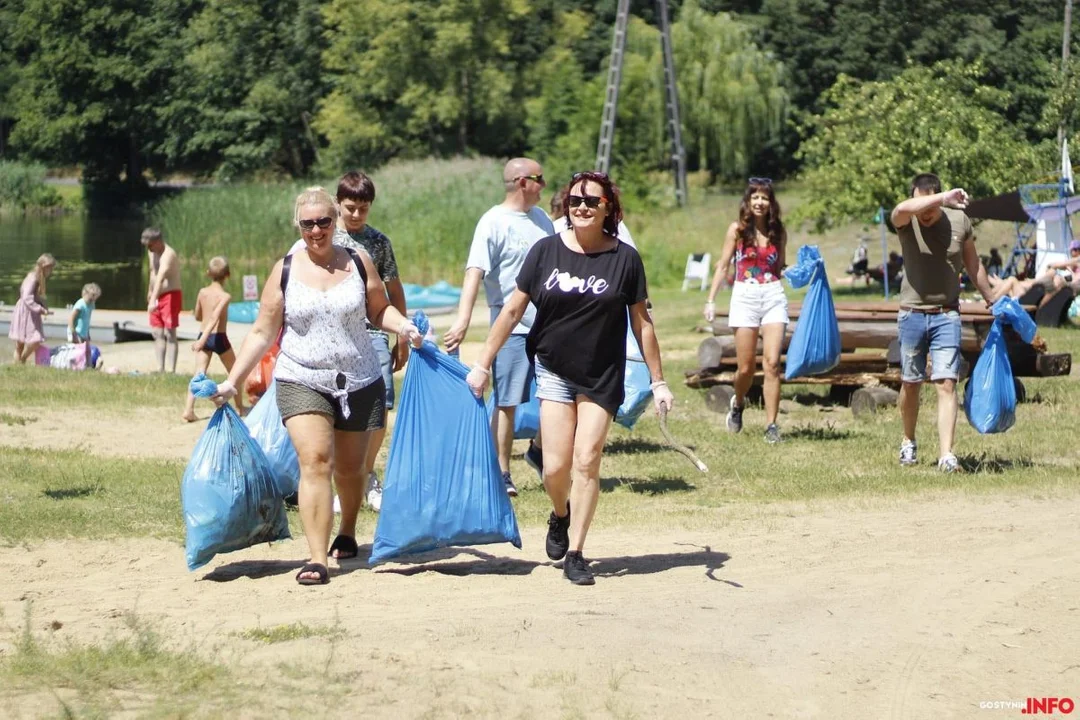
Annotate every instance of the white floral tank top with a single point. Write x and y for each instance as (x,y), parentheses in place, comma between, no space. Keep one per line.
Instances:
(326,337)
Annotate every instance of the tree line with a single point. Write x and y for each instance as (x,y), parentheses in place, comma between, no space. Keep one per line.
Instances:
(259,89)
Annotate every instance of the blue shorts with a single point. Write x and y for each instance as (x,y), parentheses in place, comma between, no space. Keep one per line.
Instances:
(550,386)
(382,349)
(512,373)
(936,334)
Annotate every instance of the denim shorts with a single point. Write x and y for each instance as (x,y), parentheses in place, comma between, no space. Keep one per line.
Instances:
(512,373)
(382,350)
(936,334)
(550,386)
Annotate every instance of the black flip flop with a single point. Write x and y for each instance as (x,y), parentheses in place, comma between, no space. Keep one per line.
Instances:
(345,546)
(317,568)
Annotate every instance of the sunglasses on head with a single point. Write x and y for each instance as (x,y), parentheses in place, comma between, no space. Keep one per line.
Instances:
(590,201)
(759,181)
(324,222)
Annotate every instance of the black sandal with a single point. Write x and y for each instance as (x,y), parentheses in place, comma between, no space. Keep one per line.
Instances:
(345,546)
(317,568)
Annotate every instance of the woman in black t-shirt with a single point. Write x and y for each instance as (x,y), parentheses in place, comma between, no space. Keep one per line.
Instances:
(582,282)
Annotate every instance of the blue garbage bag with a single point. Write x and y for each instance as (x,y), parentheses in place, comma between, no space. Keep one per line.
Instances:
(228,494)
(264,424)
(442,485)
(815,345)
(990,394)
(526,417)
(638,394)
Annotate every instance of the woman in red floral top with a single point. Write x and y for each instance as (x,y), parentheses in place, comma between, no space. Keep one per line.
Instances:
(757,243)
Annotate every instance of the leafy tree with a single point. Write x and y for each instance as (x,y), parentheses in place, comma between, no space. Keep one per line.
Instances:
(874,137)
(92,82)
(416,77)
(248,79)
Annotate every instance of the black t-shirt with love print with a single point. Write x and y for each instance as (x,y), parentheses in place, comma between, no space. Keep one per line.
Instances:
(580,328)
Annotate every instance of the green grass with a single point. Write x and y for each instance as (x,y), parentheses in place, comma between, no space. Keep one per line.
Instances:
(72,493)
(827,453)
(24,385)
(9,419)
(137,671)
(290,632)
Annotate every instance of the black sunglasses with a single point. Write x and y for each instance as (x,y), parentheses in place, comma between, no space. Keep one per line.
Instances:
(759,181)
(535,178)
(590,201)
(324,222)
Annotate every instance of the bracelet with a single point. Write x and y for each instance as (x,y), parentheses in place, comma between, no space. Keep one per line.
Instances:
(709,302)
(483,370)
(658,383)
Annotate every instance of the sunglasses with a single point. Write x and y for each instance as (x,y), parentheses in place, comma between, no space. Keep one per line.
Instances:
(590,201)
(759,181)
(535,178)
(324,222)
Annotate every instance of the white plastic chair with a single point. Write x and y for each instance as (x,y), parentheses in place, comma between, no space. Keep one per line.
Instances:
(698,269)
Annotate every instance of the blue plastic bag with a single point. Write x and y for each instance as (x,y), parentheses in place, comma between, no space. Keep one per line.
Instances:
(990,394)
(815,345)
(442,485)
(264,424)
(638,394)
(526,417)
(228,494)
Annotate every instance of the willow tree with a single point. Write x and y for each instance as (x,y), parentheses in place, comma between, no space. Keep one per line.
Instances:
(731,91)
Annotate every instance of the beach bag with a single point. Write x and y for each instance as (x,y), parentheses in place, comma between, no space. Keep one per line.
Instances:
(990,394)
(266,428)
(815,345)
(228,495)
(442,485)
(526,416)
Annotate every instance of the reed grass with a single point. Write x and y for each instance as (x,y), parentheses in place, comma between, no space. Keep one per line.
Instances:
(429,209)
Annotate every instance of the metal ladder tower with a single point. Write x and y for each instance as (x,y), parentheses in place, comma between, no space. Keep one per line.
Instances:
(671,96)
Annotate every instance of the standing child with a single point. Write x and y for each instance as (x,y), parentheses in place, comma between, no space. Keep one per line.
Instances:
(79,321)
(212,310)
(27,329)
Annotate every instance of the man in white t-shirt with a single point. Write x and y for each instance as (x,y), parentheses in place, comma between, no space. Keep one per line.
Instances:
(502,238)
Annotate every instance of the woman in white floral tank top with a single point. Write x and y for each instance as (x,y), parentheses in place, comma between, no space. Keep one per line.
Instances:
(330,388)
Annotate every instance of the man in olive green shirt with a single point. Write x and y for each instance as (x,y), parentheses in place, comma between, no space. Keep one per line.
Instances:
(937,244)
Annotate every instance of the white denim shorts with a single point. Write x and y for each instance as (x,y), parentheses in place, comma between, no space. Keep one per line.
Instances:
(757,304)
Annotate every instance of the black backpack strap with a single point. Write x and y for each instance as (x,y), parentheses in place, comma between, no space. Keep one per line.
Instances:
(286,264)
(359,265)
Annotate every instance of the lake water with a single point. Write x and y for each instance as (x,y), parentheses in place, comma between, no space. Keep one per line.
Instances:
(102,250)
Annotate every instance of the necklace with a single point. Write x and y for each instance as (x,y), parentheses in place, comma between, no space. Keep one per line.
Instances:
(325,266)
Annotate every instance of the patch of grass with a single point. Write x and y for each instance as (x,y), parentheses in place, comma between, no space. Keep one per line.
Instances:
(71,493)
(9,419)
(290,632)
(135,672)
(26,386)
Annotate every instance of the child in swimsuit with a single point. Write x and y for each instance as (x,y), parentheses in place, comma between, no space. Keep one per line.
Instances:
(212,310)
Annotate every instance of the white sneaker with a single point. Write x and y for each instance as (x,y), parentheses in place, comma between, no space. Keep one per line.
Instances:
(374,492)
(337,505)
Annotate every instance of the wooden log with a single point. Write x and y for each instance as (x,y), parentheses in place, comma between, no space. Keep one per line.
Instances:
(718,398)
(867,400)
(713,349)
(855,334)
(869,360)
(707,378)
(888,309)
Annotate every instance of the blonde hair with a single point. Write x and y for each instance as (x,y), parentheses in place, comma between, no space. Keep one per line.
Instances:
(314,196)
(93,290)
(219,268)
(44,261)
